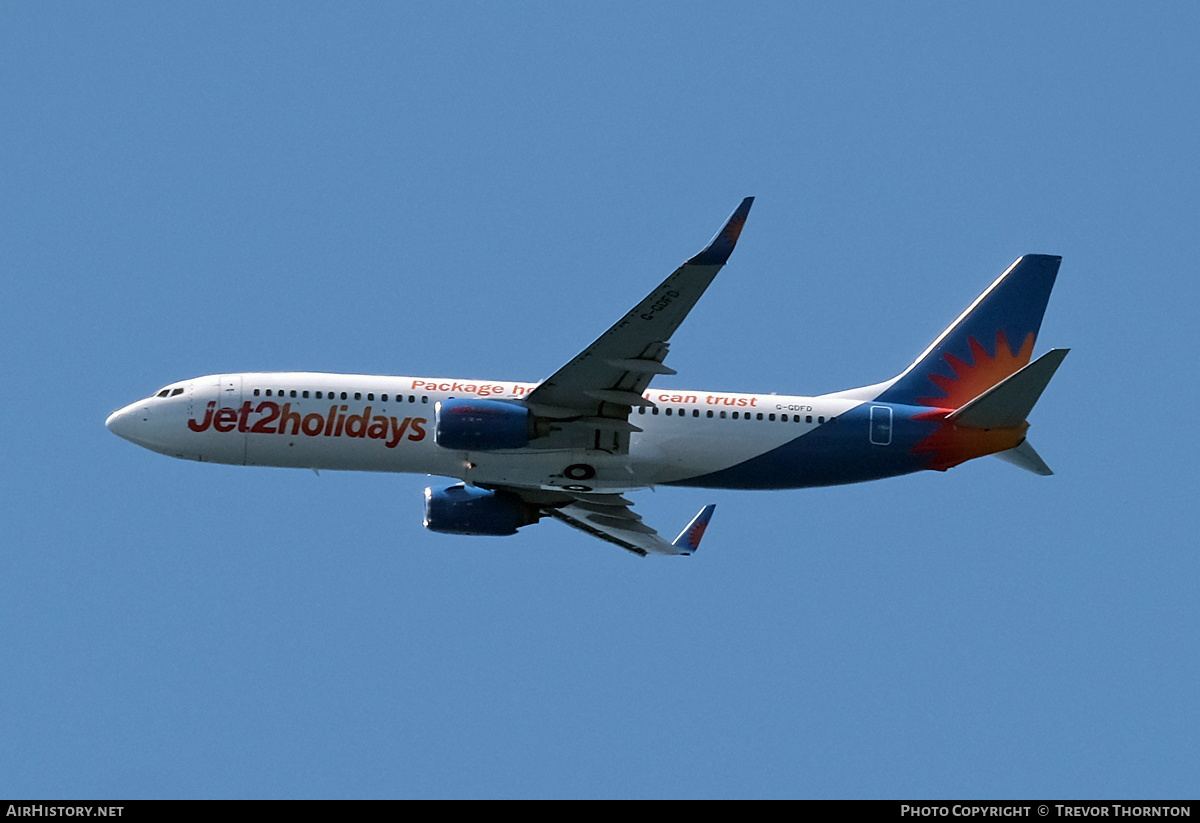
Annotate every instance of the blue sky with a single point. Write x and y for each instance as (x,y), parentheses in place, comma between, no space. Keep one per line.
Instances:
(478,190)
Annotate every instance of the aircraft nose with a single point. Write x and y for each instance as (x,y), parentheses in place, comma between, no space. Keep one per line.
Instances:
(121,422)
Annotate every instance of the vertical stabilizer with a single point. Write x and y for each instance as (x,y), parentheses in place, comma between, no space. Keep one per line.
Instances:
(990,341)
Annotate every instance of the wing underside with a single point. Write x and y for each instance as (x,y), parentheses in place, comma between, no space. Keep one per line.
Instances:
(611,518)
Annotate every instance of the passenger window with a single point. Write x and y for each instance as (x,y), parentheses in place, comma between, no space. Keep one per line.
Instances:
(293,392)
(820,419)
(343,395)
(769,416)
(654,410)
(722,415)
(808,418)
(709,413)
(268,392)
(383,398)
(735,415)
(760,415)
(256,392)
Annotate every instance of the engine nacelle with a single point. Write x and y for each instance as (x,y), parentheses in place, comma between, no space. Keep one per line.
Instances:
(481,425)
(461,509)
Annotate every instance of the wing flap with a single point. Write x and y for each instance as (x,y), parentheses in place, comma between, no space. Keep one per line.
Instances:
(637,364)
(618,397)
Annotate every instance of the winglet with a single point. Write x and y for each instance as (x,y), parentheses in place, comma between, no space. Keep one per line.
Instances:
(718,251)
(689,539)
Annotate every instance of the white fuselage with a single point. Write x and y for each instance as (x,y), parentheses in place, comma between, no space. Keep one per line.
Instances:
(381,423)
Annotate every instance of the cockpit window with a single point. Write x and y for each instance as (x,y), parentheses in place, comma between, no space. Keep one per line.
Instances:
(163,393)
(177,391)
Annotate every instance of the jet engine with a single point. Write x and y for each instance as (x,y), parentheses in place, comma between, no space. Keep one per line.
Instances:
(481,425)
(461,509)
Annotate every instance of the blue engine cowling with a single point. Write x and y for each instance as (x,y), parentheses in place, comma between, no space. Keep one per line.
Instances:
(481,425)
(460,509)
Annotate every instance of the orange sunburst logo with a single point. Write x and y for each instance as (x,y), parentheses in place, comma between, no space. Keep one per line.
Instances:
(986,370)
(951,444)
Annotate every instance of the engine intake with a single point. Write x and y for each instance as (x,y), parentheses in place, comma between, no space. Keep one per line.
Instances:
(481,425)
(461,509)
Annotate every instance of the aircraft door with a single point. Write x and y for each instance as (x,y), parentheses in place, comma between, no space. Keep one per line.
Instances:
(881,425)
(229,396)
(231,390)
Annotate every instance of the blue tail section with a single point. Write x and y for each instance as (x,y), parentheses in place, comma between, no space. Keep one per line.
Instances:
(991,340)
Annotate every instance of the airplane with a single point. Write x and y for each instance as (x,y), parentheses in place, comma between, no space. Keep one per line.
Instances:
(571,446)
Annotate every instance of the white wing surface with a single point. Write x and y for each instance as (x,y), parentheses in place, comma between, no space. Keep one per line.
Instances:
(611,517)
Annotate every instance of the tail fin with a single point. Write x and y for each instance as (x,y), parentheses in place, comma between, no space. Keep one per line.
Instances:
(992,340)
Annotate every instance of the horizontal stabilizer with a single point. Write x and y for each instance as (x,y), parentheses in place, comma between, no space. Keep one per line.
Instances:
(1026,458)
(1007,404)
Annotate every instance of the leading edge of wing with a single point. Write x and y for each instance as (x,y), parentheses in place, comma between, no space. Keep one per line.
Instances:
(609,376)
(612,519)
